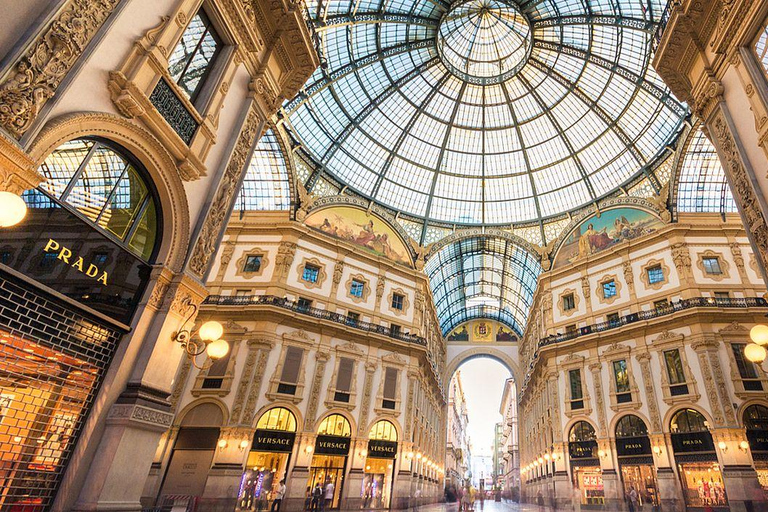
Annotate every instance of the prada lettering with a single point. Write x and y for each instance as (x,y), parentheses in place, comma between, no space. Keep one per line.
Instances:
(76,262)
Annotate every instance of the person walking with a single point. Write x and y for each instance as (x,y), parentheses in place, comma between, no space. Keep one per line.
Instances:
(317,496)
(540,501)
(279,494)
(633,498)
(329,490)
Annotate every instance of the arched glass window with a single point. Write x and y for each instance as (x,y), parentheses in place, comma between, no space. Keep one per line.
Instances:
(383,430)
(582,431)
(335,425)
(266,185)
(702,186)
(756,417)
(106,187)
(631,426)
(278,418)
(687,421)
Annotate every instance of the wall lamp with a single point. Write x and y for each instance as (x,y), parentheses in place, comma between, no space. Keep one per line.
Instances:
(13,211)
(243,445)
(744,446)
(601,454)
(222,444)
(657,450)
(723,446)
(210,343)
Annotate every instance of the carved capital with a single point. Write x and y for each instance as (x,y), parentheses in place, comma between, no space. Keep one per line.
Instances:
(17,170)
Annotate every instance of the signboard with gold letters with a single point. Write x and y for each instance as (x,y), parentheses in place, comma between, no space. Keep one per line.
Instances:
(273,440)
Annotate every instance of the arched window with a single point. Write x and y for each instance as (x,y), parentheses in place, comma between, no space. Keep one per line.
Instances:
(581,431)
(687,421)
(278,418)
(105,186)
(702,186)
(266,185)
(383,430)
(631,426)
(756,417)
(335,425)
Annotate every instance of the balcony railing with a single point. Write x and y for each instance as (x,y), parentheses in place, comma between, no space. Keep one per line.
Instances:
(324,314)
(671,4)
(697,302)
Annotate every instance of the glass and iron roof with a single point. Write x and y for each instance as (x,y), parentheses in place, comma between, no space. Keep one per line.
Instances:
(702,186)
(483,277)
(485,112)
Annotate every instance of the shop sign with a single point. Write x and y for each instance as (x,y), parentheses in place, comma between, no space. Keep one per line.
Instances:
(332,445)
(582,449)
(758,440)
(273,441)
(382,449)
(58,249)
(632,446)
(693,442)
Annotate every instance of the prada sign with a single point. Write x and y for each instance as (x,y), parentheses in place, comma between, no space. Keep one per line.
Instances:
(332,445)
(582,449)
(273,441)
(692,442)
(58,249)
(758,440)
(382,449)
(633,446)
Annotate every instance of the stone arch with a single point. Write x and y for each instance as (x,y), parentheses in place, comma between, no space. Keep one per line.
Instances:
(473,353)
(577,419)
(483,233)
(617,417)
(181,415)
(390,419)
(160,165)
(341,412)
(674,410)
(272,405)
(745,405)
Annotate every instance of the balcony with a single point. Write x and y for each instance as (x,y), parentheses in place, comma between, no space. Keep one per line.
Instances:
(323,314)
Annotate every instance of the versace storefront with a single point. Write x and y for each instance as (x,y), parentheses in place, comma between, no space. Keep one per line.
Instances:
(71,276)
(329,462)
(379,471)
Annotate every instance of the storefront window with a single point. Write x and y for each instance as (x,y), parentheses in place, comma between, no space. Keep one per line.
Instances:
(756,425)
(329,461)
(379,465)
(633,450)
(585,465)
(268,459)
(101,183)
(45,393)
(696,460)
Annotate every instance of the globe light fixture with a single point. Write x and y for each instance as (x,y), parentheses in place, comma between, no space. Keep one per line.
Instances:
(755,353)
(211,331)
(13,209)
(759,334)
(217,349)
(209,335)
(744,446)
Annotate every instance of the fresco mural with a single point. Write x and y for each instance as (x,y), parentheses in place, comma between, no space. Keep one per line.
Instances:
(482,331)
(364,230)
(598,233)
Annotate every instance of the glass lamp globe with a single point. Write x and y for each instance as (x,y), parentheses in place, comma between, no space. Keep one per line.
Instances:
(211,331)
(755,353)
(13,209)
(759,334)
(217,349)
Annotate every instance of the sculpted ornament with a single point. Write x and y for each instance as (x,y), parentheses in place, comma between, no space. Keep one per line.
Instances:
(39,73)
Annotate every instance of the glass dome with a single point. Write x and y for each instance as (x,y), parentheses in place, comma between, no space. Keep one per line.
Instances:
(485,112)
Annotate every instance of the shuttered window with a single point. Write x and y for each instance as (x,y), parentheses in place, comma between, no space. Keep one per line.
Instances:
(291,367)
(215,377)
(390,388)
(344,377)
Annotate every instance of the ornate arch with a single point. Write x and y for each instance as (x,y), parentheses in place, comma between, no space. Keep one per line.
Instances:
(616,418)
(272,405)
(674,410)
(160,165)
(340,412)
(391,419)
(179,417)
(480,232)
(493,353)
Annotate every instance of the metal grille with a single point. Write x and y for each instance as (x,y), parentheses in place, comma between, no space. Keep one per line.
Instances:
(52,361)
(173,110)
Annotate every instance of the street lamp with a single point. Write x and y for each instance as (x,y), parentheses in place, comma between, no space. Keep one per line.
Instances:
(755,351)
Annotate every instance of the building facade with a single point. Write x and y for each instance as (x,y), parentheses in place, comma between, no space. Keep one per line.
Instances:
(508,480)
(334,377)
(458,452)
(638,378)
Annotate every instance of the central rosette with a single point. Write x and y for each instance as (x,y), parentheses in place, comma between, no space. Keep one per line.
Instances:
(484,41)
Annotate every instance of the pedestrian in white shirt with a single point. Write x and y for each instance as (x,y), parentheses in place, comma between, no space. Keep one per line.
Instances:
(279,494)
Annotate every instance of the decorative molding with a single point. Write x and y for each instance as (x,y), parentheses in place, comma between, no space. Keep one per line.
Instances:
(597,380)
(246,376)
(206,245)
(365,406)
(134,413)
(710,385)
(366,288)
(240,263)
(406,302)
(284,260)
(37,75)
(314,393)
(644,274)
(249,412)
(17,169)
(599,291)
(724,265)
(321,275)
(576,299)
(650,393)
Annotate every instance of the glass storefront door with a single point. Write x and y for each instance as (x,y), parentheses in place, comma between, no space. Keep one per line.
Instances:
(377,483)
(263,472)
(327,469)
(641,477)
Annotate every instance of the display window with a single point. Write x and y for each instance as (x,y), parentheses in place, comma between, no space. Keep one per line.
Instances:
(329,462)
(44,395)
(268,460)
(263,473)
(589,481)
(702,484)
(328,470)
(377,483)
(761,467)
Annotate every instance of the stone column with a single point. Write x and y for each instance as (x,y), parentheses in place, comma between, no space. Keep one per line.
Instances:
(739,476)
(223,482)
(670,492)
